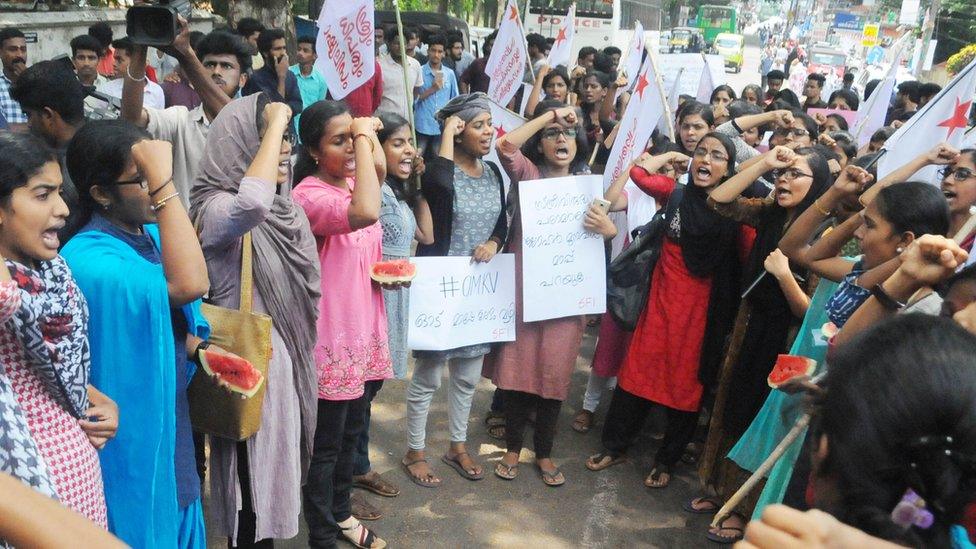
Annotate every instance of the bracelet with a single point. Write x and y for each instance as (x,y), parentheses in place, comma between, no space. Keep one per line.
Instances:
(819,208)
(129,74)
(203,346)
(736,127)
(885,299)
(372,147)
(162,201)
(161,187)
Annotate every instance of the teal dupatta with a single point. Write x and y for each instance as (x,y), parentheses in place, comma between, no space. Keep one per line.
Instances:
(133,362)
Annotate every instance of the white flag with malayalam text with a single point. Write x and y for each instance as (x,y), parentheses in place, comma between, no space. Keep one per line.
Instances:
(872,112)
(506,64)
(634,55)
(634,131)
(346,57)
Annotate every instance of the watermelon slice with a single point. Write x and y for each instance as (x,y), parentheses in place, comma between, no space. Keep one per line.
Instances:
(829,330)
(789,366)
(232,372)
(392,272)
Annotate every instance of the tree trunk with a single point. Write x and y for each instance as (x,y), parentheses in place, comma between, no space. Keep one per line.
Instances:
(273,13)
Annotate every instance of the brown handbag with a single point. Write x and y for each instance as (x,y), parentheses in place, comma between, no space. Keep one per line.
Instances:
(214,409)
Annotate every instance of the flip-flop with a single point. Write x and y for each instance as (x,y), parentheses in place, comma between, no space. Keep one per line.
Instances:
(655,475)
(495,418)
(689,506)
(455,463)
(552,478)
(417,480)
(727,540)
(583,421)
(505,471)
(598,461)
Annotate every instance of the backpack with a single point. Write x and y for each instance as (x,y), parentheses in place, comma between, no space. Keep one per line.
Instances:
(629,274)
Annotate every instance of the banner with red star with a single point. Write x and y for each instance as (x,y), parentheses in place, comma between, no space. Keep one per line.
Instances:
(562,48)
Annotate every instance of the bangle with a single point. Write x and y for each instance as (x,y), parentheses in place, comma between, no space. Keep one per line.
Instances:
(885,299)
(161,187)
(162,201)
(129,74)
(736,127)
(372,147)
(819,208)
(203,346)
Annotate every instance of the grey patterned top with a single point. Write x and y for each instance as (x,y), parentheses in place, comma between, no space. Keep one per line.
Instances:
(399,224)
(476,210)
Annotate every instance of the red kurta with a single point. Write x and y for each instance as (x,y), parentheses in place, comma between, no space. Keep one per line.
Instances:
(662,362)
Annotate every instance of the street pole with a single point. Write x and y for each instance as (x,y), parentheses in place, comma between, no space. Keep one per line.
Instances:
(927,30)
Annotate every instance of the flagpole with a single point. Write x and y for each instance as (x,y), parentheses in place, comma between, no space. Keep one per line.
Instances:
(528,59)
(660,90)
(406,84)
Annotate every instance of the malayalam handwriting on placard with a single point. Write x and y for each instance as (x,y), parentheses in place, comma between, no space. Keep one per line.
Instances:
(454,302)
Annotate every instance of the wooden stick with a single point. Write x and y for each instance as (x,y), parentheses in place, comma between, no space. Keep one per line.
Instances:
(406,83)
(763,469)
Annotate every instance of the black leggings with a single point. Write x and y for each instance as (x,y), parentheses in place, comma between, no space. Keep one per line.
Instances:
(518,408)
(626,418)
(246,519)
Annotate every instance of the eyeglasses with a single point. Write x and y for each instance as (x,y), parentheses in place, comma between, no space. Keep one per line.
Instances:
(714,155)
(138,180)
(291,138)
(797,132)
(790,174)
(553,134)
(961,174)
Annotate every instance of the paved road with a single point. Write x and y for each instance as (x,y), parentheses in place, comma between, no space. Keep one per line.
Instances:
(750,67)
(611,508)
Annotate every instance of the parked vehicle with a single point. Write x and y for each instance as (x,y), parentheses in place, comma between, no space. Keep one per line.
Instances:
(732,48)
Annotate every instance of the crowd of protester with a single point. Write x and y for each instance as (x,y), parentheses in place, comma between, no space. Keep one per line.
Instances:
(134,181)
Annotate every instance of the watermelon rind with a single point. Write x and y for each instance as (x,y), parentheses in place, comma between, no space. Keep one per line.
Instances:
(245,393)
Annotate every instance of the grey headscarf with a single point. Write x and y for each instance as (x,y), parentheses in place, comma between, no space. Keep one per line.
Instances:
(465,107)
(286,265)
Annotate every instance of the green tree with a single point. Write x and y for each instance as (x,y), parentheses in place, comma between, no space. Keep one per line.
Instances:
(955,27)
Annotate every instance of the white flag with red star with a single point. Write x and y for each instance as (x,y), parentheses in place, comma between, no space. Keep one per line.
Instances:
(634,131)
(674,97)
(634,55)
(506,64)
(504,121)
(562,48)
(941,120)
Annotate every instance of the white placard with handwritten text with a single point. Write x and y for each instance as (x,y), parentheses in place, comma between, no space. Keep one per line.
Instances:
(563,265)
(454,302)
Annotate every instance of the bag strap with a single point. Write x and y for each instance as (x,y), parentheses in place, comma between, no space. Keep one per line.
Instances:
(247,275)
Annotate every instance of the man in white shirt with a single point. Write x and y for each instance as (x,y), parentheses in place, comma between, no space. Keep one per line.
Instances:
(124,48)
(394,91)
(217,74)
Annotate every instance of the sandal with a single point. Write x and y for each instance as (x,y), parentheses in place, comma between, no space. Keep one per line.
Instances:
(552,478)
(654,480)
(712,505)
(497,431)
(506,471)
(375,483)
(583,421)
(738,532)
(363,509)
(495,418)
(429,482)
(603,460)
(362,537)
(455,463)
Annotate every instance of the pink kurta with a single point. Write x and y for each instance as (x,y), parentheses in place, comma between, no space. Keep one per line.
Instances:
(542,358)
(351,346)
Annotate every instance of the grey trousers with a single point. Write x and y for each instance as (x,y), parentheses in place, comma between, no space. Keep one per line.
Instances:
(427,374)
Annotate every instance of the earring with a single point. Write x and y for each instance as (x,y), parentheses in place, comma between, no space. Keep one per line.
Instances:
(899,249)
(105,207)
